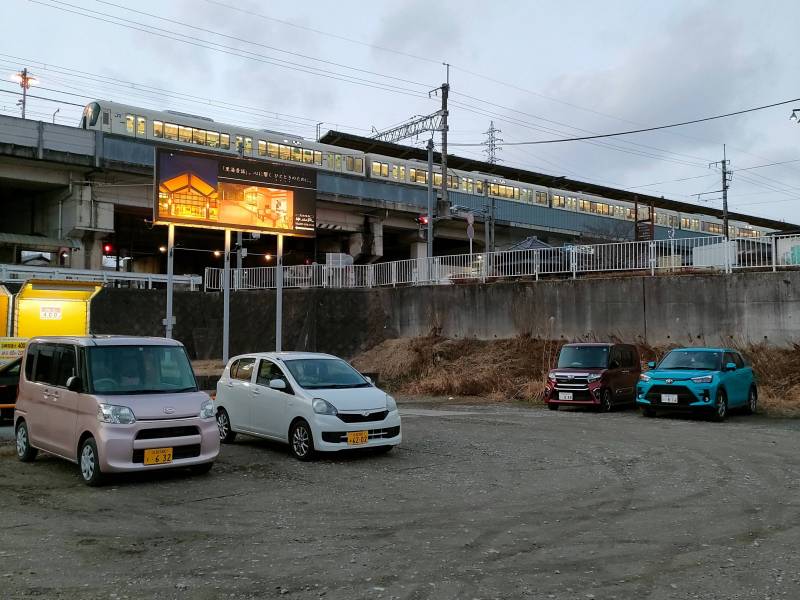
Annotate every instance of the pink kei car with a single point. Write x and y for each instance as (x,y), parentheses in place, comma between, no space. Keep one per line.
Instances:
(113,404)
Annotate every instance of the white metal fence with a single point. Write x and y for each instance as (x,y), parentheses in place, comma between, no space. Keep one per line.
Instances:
(699,254)
(11,273)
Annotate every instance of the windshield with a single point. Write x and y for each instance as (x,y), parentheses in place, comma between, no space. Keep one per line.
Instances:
(139,370)
(325,373)
(583,357)
(694,360)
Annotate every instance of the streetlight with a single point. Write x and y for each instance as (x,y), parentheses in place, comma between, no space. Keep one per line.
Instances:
(25,81)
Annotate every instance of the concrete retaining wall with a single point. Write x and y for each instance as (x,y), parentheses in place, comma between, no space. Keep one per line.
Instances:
(710,309)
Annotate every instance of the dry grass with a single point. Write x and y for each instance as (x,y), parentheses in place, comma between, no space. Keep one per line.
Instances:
(515,369)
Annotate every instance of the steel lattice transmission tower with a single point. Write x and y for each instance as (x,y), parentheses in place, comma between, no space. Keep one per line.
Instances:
(492,143)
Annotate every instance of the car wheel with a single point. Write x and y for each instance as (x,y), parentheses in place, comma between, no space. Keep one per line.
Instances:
(226,434)
(301,442)
(752,401)
(721,411)
(25,452)
(201,469)
(89,462)
(606,404)
(648,412)
(552,406)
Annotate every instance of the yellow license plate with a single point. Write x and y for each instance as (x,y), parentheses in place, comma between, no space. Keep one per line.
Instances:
(357,438)
(157,456)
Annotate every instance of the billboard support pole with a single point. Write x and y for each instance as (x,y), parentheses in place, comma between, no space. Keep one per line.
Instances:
(279,294)
(226,298)
(170,275)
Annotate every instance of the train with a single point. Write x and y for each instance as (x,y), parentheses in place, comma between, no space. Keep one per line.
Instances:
(198,132)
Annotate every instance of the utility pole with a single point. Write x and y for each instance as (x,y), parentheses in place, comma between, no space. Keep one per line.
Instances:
(491,143)
(430,198)
(726,179)
(445,93)
(25,81)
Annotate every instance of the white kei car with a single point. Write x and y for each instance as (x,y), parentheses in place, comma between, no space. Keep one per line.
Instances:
(314,402)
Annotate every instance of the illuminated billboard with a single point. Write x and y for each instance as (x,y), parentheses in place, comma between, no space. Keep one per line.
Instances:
(217,192)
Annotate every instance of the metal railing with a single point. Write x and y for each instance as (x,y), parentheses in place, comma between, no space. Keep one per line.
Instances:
(12,273)
(699,254)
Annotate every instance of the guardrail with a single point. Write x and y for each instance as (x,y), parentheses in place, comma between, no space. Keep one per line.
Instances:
(11,273)
(700,254)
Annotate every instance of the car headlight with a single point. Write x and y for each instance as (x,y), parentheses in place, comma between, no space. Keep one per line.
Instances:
(644,377)
(551,376)
(323,407)
(391,405)
(207,410)
(118,415)
(594,377)
(703,379)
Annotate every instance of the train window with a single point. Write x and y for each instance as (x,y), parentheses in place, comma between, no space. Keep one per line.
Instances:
(384,169)
(494,189)
(376,168)
(318,157)
(399,172)
(360,165)
(272,149)
(199,136)
(437,179)
(479,187)
(262,148)
(158,129)
(224,141)
(602,209)
(452,181)
(308,156)
(184,133)
(129,123)
(584,206)
(297,154)
(170,131)
(350,163)
(572,203)
(212,139)
(141,126)
(558,201)
(516,193)
(338,162)
(248,145)
(285,152)
(541,198)
(239,142)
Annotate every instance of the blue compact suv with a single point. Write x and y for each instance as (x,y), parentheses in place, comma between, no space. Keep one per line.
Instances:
(709,380)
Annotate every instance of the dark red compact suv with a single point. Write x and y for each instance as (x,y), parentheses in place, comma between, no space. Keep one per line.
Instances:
(598,375)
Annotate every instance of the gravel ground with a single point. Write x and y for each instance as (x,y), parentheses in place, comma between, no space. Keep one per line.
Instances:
(498,501)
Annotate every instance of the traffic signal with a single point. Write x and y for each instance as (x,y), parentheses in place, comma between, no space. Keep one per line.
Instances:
(422,220)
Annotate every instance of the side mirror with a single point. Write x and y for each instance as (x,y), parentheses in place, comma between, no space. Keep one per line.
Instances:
(368,378)
(74,384)
(730,366)
(651,364)
(277,384)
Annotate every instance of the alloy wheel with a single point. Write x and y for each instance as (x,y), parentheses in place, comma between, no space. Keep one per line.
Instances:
(88,461)
(752,401)
(300,441)
(22,440)
(223,424)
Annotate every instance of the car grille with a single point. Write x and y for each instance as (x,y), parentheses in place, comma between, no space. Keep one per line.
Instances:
(685,396)
(576,381)
(178,452)
(359,418)
(336,437)
(167,432)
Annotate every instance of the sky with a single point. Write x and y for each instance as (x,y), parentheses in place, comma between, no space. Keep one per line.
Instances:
(538,70)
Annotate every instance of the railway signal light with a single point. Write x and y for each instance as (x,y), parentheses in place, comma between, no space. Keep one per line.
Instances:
(422,220)
(108,249)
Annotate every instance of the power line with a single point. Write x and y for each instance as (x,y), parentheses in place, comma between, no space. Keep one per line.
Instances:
(229,50)
(41,98)
(646,129)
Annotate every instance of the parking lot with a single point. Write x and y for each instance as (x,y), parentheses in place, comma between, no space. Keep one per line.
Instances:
(497,501)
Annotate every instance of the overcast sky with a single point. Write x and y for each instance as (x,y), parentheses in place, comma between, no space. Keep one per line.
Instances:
(540,70)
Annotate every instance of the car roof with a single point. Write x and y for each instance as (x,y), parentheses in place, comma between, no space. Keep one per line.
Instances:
(704,349)
(105,340)
(283,356)
(598,344)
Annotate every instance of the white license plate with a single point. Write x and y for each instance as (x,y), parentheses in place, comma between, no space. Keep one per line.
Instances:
(669,398)
(565,395)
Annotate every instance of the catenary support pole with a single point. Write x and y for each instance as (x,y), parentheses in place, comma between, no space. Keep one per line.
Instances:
(430,198)
(279,294)
(226,299)
(170,276)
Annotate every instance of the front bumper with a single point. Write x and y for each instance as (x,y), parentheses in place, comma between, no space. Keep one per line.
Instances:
(194,441)
(330,432)
(586,395)
(691,397)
